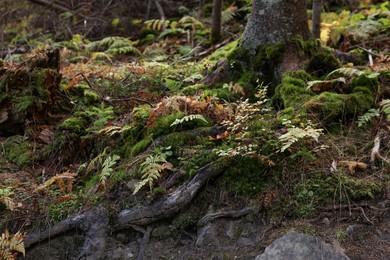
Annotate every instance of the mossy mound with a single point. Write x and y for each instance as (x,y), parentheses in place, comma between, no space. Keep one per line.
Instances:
(322,63)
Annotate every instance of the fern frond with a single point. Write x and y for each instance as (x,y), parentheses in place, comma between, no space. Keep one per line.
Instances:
(189,22)
(228,13)
(295,134)
(385,108)
(101,56)
(189,118)
(352,72)
(151,170)
(5,198)
(97,161)
(367,117)
(109,162)
(10,244)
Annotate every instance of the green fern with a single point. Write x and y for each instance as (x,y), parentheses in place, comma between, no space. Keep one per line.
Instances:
(107,170)
(96,162)
(10,244)
(189,118)
(115,45)
(228,13)
(151,170)
(352,72)
(367,117)
(5,198)
(385,108)
(294,134)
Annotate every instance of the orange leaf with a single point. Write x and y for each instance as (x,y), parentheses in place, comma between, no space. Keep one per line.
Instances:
(221,136)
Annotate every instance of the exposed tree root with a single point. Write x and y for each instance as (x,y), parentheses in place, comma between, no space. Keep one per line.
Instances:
(230,214)
(144,215)
(95,223)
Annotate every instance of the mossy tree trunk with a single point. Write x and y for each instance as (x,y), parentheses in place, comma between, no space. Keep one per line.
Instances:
(273,21)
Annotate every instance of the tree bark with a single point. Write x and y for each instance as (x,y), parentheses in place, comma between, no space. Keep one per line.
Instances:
(216,22)
(272,21)
(316,18)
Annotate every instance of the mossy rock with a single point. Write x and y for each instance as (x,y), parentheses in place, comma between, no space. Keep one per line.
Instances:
(292,92)
(322,63)
(330,107)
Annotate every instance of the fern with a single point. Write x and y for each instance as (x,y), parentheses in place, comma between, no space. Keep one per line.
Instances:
(352,72)
(151,170)
(96,162)
(385,108)
(189,118)
(106,172)
(294,134)
(367,117)
(5,198)
(228,14)
(11,244)
(115,45)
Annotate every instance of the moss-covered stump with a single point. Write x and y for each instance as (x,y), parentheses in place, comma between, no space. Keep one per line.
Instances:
(343,95)
(28,92)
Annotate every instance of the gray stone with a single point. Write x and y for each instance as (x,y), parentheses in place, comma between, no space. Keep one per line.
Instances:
(294,245)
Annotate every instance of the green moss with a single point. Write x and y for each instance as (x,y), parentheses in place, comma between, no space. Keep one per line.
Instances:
(327,105)
(300,74)
(306,47)
(193,89)
(331,106)
(90,96)
(246,176)
(219,93)
(322,63)
(366,80)
(73,124)
(292,95)
(17,151)
(140,146)
(163,124)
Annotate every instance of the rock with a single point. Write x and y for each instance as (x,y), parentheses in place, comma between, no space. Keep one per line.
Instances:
(294,245)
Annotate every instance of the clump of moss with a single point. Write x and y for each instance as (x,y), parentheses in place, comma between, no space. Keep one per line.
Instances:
(17,151)
(292,92)
(246,176)
(140,146)
(74,125)
(322,63)
(193,89)
(329,106)
(163,124)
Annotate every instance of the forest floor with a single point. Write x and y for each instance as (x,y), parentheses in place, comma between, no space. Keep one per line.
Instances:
(125,150)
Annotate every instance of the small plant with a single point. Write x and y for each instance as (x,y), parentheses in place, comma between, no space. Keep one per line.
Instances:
(151,170)
(294,134)
(10,245)
(5,198)
(189,118)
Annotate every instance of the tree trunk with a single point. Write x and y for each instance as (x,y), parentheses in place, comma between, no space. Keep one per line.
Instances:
(316,19)
(216,22)
(272,21)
